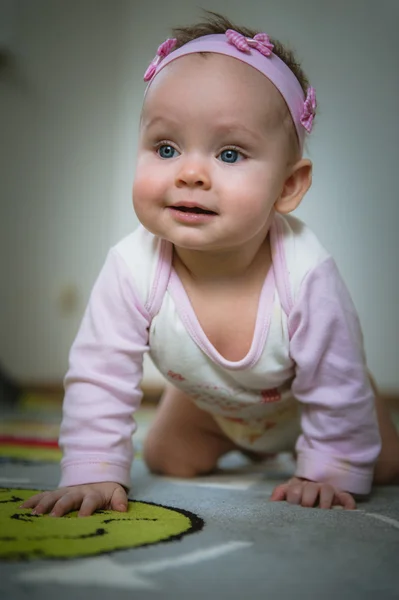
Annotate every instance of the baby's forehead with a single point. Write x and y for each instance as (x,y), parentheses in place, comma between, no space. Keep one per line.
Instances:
(221,81)
(195,70)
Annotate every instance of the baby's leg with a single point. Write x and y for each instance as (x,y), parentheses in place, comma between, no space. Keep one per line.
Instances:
(387,466)
(183,441)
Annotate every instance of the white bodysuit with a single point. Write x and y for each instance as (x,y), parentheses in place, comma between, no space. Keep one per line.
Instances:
(303,383)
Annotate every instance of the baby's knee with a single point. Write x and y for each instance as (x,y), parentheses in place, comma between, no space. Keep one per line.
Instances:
(164,457)
(386,470)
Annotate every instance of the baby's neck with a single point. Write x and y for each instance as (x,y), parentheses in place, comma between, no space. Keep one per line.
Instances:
(223,267)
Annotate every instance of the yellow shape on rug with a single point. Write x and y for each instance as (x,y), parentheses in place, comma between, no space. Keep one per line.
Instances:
(24,536)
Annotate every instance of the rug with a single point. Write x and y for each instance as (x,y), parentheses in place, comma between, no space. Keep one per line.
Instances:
(213,537)
(29,432)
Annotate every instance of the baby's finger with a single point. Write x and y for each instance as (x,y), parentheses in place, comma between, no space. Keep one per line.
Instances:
(295,491)
(119,500)
(46,503)
(279,493)
(67,502)
(91,503)
(327,494)
(32,501)
(310,494)
(345,499)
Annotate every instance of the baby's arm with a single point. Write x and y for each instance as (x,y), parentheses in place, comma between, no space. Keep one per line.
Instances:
(102,390)
(340,440)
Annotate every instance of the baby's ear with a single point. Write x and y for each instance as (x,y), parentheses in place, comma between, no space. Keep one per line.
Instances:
(295,187)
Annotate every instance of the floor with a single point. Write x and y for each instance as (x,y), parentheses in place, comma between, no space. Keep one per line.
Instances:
(215,537)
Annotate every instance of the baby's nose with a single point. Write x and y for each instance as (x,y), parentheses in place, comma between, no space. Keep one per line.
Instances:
(193,173)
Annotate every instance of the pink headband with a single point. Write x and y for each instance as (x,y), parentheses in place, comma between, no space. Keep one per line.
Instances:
(257,53)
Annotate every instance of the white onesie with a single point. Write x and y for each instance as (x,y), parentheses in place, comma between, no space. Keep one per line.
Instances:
(304,381)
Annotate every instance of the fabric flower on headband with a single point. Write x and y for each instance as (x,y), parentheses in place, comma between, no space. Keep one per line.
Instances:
(162,51)
(260,42)
(309,110)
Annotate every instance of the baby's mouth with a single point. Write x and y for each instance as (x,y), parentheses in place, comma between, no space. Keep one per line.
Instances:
(194,209)
(191,207)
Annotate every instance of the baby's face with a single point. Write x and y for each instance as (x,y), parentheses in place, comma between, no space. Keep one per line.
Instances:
(213,153)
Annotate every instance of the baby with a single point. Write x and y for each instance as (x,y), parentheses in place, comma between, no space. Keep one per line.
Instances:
(239,305)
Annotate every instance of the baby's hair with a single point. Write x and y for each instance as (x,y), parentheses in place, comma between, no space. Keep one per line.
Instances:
(215,23)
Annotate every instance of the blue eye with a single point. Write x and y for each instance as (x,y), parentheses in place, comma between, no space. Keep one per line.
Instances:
(230,156)
(167,151)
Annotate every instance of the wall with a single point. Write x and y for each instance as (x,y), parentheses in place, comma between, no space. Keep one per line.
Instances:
(68,119)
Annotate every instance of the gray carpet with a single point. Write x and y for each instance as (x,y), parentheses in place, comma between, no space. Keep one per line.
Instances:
(248,547)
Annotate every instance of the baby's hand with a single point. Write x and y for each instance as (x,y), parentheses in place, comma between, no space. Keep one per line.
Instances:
(85,498)
(309,493)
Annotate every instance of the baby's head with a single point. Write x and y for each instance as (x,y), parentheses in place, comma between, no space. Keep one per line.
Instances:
(225,111)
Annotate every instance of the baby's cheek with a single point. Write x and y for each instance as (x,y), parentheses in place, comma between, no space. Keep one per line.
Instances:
(148,186)
(140,188)
(148,197)
(142,195)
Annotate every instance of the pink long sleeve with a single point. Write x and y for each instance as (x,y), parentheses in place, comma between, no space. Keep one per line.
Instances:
(102,385)
(340,440)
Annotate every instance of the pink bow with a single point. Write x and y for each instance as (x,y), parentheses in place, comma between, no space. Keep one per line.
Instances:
(309,110)
(162,51)
(260,42)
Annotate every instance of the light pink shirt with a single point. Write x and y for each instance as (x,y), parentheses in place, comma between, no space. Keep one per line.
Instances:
(307,343)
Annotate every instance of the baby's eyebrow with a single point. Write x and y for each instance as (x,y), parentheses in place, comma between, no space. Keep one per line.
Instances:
(223,128)
(158,120)
(227,128)
(239,128)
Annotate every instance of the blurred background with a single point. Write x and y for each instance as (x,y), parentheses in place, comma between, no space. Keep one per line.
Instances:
(71,89)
